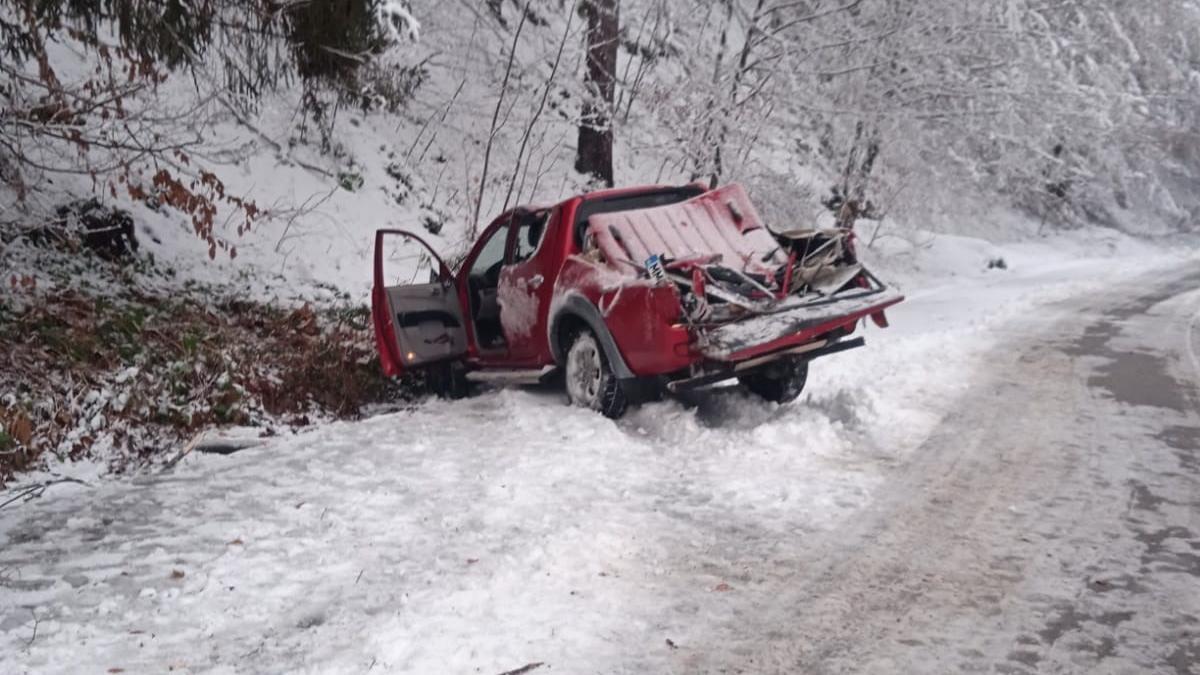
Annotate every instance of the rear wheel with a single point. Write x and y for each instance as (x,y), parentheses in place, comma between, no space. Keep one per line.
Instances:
(590,380)
(780,382)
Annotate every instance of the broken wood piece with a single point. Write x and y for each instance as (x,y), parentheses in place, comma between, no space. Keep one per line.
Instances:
(227,446)
(213,442)
(524,669)
(184,452)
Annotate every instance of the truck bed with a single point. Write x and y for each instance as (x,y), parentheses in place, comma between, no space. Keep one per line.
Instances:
(745,290)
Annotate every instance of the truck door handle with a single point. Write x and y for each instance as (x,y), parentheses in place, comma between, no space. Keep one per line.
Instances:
(535,281)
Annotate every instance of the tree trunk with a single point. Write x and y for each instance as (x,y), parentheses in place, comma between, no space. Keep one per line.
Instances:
(594,155)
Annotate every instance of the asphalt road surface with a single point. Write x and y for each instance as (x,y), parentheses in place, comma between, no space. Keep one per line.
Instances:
(1051,523)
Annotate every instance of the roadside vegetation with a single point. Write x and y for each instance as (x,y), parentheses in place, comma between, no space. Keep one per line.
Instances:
(113,358)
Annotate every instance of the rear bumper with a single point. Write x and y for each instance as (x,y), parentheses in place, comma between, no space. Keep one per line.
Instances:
(795,326)
(810,351)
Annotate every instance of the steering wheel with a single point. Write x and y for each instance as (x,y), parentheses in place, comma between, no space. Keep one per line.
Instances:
(492,275)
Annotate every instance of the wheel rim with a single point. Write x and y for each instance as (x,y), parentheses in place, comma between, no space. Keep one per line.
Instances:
(584,372)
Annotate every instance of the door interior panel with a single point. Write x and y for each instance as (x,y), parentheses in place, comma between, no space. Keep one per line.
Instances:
(428,322)
(410,319)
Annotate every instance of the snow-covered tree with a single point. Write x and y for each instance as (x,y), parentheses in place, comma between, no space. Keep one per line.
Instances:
(84,87)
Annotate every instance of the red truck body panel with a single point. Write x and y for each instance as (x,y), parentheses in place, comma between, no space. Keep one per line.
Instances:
(642,318)
(536,278)
(703,226)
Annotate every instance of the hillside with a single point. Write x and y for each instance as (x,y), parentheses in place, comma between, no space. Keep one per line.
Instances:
(475,108)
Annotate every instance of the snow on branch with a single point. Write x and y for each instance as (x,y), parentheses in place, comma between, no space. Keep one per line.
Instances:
(399,21)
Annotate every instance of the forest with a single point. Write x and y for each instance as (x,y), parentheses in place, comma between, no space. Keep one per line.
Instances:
(1079,112)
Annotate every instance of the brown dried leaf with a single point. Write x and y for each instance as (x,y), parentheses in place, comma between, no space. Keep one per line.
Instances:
(21,428)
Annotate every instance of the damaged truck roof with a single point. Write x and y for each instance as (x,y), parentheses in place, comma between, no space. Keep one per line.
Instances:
(721,222)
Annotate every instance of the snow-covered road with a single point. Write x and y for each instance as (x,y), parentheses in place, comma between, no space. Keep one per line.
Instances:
(984,487)
(1051,523)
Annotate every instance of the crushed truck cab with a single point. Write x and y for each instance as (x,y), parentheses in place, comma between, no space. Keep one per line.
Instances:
(624,293)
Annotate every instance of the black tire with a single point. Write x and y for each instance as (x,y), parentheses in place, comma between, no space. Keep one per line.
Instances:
(590,382)
(780,382)
(447,380)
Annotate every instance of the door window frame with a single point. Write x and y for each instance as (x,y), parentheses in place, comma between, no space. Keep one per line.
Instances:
(444,271)
(514,236)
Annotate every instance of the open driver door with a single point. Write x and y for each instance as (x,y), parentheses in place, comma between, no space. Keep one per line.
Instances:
(416,324)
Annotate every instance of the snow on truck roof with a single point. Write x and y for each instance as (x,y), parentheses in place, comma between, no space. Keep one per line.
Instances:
(722,222)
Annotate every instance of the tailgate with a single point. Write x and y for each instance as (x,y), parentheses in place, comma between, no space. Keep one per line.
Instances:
(764,333)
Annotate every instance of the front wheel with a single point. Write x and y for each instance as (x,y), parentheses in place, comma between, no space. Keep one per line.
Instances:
(447,380)
(780,382)
(590,380)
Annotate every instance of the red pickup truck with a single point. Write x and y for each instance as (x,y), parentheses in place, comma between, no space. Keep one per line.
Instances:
(626,293)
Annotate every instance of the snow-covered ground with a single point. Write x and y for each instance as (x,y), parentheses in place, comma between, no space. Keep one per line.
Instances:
(506,530)
(485,535)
